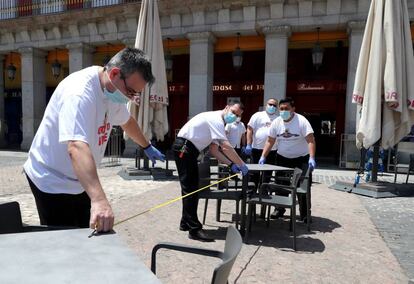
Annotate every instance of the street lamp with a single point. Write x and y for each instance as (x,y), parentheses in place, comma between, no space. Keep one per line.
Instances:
(237,55)
(317,53)
(11,69)
(56,67)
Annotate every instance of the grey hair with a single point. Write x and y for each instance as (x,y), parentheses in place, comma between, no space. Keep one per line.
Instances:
(131,60)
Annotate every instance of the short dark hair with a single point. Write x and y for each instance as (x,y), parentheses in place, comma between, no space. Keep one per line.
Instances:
(287,100)
(236,102)
(131,60)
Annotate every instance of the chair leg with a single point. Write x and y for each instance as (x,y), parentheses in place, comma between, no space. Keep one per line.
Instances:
(395,174)
(254,213)
(205,211)
(268,217)
(308,211)
(237,215)
(218,209)
(290,221)
(294,226)
(408,175)
(250,213)
(263,212)
(249,224)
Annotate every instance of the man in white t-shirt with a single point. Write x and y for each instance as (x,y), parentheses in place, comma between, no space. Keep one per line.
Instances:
(71,140)
(206,129)
(296,144)
(236,133)
(257,132)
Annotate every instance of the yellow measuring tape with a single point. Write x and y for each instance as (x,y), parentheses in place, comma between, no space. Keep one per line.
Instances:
(174,200)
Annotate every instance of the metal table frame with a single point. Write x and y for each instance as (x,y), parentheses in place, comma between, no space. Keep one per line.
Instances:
(254,168)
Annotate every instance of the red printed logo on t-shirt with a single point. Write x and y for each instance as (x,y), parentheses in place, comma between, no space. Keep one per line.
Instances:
(103,131)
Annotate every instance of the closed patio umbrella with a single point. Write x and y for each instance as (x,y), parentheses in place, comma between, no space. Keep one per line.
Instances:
(384,85)
(151,115)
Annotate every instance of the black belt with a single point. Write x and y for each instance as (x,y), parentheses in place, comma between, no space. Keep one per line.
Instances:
(185,146)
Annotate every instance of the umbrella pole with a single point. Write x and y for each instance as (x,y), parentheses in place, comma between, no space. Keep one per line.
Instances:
(375,158)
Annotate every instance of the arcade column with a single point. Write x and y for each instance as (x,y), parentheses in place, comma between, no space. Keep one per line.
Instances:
(33,92)
(277,39)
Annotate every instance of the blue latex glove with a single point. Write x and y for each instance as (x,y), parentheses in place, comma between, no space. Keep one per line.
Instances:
(312,163)
(262,160)
(244,169)
(153,154)
(248,150)
(234,168)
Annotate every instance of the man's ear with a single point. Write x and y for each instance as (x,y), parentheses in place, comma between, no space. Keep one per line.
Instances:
(113,72)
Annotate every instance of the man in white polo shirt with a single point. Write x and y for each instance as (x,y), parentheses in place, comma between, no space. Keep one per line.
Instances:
(204,130)
(296,144)
(236,133)
(72,137)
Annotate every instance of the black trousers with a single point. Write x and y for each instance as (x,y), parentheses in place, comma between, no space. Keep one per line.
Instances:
(187,168)
(301,163)
(71,210)
(270,159)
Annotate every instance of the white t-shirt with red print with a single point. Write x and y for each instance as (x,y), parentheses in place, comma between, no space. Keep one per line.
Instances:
(77,111)
(291,136)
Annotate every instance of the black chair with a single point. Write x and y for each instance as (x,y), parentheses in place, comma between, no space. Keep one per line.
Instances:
(11,221)
(222,191)
(403,159)
(264,197)
(305,188)
(10,218)
(221,273)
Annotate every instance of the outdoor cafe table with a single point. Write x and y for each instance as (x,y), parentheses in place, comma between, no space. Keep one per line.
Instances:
(254,168)
(69,256)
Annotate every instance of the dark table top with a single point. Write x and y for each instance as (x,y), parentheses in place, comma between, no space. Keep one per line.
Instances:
(69,256)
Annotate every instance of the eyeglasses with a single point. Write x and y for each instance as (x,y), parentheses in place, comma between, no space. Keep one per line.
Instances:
(275,105)
(130,92)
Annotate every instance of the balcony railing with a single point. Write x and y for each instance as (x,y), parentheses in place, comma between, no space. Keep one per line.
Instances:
(10,9)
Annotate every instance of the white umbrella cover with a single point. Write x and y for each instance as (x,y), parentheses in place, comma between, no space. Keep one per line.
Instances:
(152,112)
(384,67)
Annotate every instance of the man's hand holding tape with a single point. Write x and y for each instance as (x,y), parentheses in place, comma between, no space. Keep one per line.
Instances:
(228,156)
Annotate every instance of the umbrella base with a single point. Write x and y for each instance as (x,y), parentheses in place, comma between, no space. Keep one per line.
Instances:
(376,189)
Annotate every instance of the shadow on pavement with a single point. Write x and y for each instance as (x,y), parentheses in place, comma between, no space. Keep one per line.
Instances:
(277,235)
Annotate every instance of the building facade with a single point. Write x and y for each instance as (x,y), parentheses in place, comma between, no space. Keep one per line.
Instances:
(277,39)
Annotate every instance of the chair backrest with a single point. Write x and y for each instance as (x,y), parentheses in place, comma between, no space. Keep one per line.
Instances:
(411,162)
(10,218)
(404,149)
(295,177)
(306,183)
(232,249)
(203,173)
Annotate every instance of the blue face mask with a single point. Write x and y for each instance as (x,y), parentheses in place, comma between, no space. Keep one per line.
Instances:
(285,114)
(230,117)
(271,109)
(115,96)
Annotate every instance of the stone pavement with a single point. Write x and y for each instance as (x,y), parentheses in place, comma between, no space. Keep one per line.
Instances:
(344,245)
